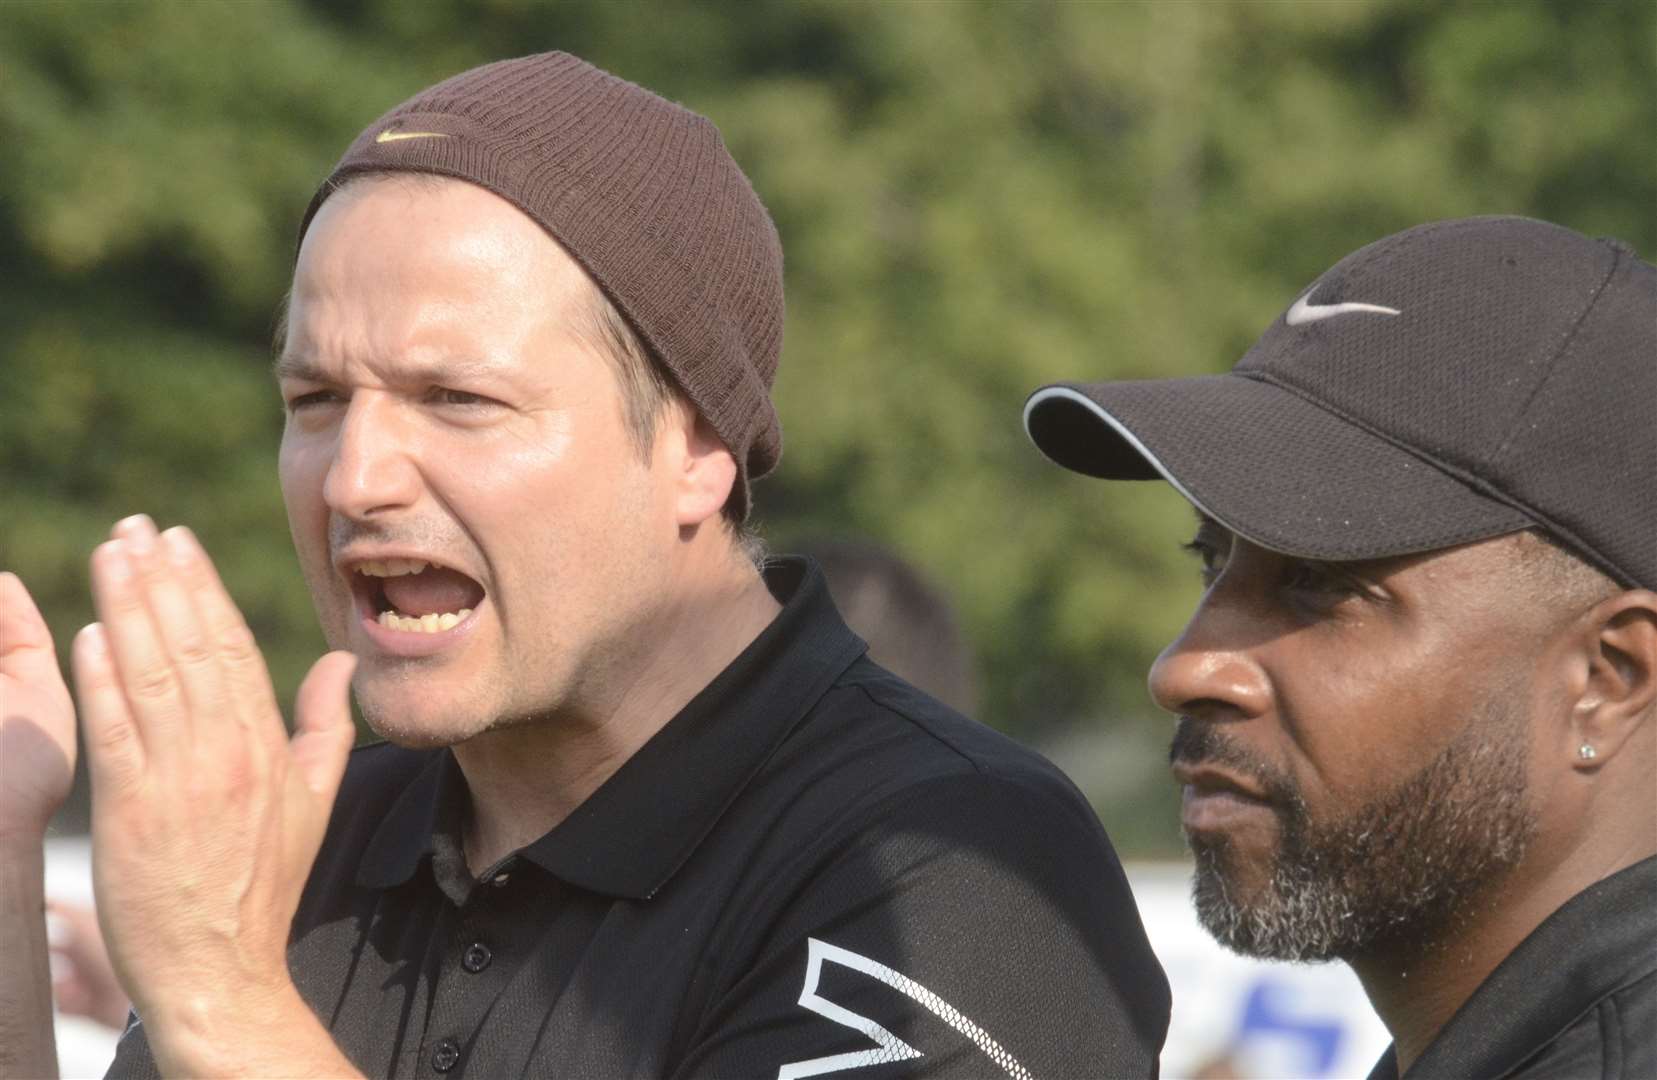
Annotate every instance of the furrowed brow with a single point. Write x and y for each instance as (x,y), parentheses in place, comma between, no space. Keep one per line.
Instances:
(306,369)
(447,371)
(295,366)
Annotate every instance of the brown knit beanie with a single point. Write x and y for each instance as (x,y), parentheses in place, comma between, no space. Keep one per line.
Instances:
(643,194)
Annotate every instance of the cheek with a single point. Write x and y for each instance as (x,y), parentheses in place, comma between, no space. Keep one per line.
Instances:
(1359,725)
(550,512)
(301,469)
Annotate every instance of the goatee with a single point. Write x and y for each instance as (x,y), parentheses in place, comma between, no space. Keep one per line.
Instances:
(1399,867)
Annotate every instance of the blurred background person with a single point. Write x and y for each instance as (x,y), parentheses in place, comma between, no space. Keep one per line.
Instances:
(909,623)
(83,981)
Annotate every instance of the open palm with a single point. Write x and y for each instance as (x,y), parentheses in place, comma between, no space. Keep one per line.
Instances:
(37,717)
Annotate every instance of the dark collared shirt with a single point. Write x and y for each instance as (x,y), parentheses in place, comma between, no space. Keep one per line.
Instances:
(814,868)
(1577,998)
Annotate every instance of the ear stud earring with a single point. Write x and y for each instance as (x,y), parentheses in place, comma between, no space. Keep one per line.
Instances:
(1586,752)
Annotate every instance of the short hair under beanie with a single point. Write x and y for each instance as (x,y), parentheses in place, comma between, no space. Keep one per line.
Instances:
(638,190)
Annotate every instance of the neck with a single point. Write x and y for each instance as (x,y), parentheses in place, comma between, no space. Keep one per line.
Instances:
(1416,984)
(526,778)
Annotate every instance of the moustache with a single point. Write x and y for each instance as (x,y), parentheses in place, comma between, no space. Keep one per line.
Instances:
(1198,742)
(421,535)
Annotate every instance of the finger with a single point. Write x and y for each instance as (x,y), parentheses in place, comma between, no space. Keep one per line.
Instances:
(246,678)
(71,992)
(22,629)
(28,659)
(79,920)
(144,673)
(114,747)
(323,731)
(318,752)
(181,632)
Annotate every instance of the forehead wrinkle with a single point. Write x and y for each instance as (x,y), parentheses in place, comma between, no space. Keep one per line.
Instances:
(298,366)
(306,368)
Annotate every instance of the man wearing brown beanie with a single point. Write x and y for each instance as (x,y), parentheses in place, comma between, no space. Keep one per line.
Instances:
(643,807)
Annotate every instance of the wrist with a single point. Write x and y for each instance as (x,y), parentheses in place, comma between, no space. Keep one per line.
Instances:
(246,1035)
(212,1029)
(23,842)
(22,873)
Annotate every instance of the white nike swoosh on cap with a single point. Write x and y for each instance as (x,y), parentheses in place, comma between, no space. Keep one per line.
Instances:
(1304,311)
(399,136)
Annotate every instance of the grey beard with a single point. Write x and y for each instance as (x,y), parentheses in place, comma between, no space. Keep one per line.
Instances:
(1398,869)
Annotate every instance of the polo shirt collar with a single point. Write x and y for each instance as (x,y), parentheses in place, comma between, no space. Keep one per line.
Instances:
(1599,941)
(643,823)
(407,833)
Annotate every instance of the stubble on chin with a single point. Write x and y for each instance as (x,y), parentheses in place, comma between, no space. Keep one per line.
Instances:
(1403,867)
(400,706)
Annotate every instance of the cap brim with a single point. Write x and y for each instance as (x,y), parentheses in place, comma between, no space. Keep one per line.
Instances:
(1270,465)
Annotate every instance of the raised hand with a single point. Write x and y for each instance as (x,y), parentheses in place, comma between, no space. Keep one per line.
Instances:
(37,764)
(37,719)
(206,816)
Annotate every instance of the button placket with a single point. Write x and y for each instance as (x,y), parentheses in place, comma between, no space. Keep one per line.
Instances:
(472,977)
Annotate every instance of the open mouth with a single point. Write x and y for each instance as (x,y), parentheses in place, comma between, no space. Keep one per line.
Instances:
(415,596)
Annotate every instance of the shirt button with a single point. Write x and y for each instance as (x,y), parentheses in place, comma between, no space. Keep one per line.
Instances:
(476,957)
(445,1055)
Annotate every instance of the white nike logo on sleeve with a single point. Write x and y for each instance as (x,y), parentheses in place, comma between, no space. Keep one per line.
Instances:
(888,1047)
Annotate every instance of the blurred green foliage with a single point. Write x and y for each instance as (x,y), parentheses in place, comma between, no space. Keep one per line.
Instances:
(975,198)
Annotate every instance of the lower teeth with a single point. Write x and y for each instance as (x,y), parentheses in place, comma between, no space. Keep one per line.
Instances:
(422,624)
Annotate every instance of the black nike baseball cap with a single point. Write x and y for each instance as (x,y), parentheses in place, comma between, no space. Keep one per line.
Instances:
(1453,382)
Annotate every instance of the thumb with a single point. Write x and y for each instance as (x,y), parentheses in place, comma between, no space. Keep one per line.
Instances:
(26,650)
(323,731)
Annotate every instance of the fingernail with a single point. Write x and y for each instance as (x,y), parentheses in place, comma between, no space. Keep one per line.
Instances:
(93,636)
(139,533)
(181,546)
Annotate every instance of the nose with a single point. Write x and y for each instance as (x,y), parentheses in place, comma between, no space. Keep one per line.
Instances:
(374,470)
(1209,671)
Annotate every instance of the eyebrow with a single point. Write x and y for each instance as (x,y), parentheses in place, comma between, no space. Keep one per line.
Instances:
(1208,521)
(291,366)
(306,369)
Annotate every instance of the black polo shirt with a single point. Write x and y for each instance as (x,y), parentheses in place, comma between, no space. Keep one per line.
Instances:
(1577,998)
(814,868)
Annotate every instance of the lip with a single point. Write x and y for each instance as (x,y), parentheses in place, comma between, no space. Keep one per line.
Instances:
(1209,779)
(1219,811)
(346,560)
(1214,800)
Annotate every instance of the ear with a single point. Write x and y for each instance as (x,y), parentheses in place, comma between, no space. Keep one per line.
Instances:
(704,472)
(1620,694)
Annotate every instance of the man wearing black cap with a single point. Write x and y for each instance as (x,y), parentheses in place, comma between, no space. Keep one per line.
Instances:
(645,808)
(1418,701)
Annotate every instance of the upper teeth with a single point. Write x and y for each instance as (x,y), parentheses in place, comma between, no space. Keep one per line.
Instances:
(391,567)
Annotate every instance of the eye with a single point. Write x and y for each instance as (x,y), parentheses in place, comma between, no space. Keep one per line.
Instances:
(312,398)
(442,395)
(1321,578)
(1212,555)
